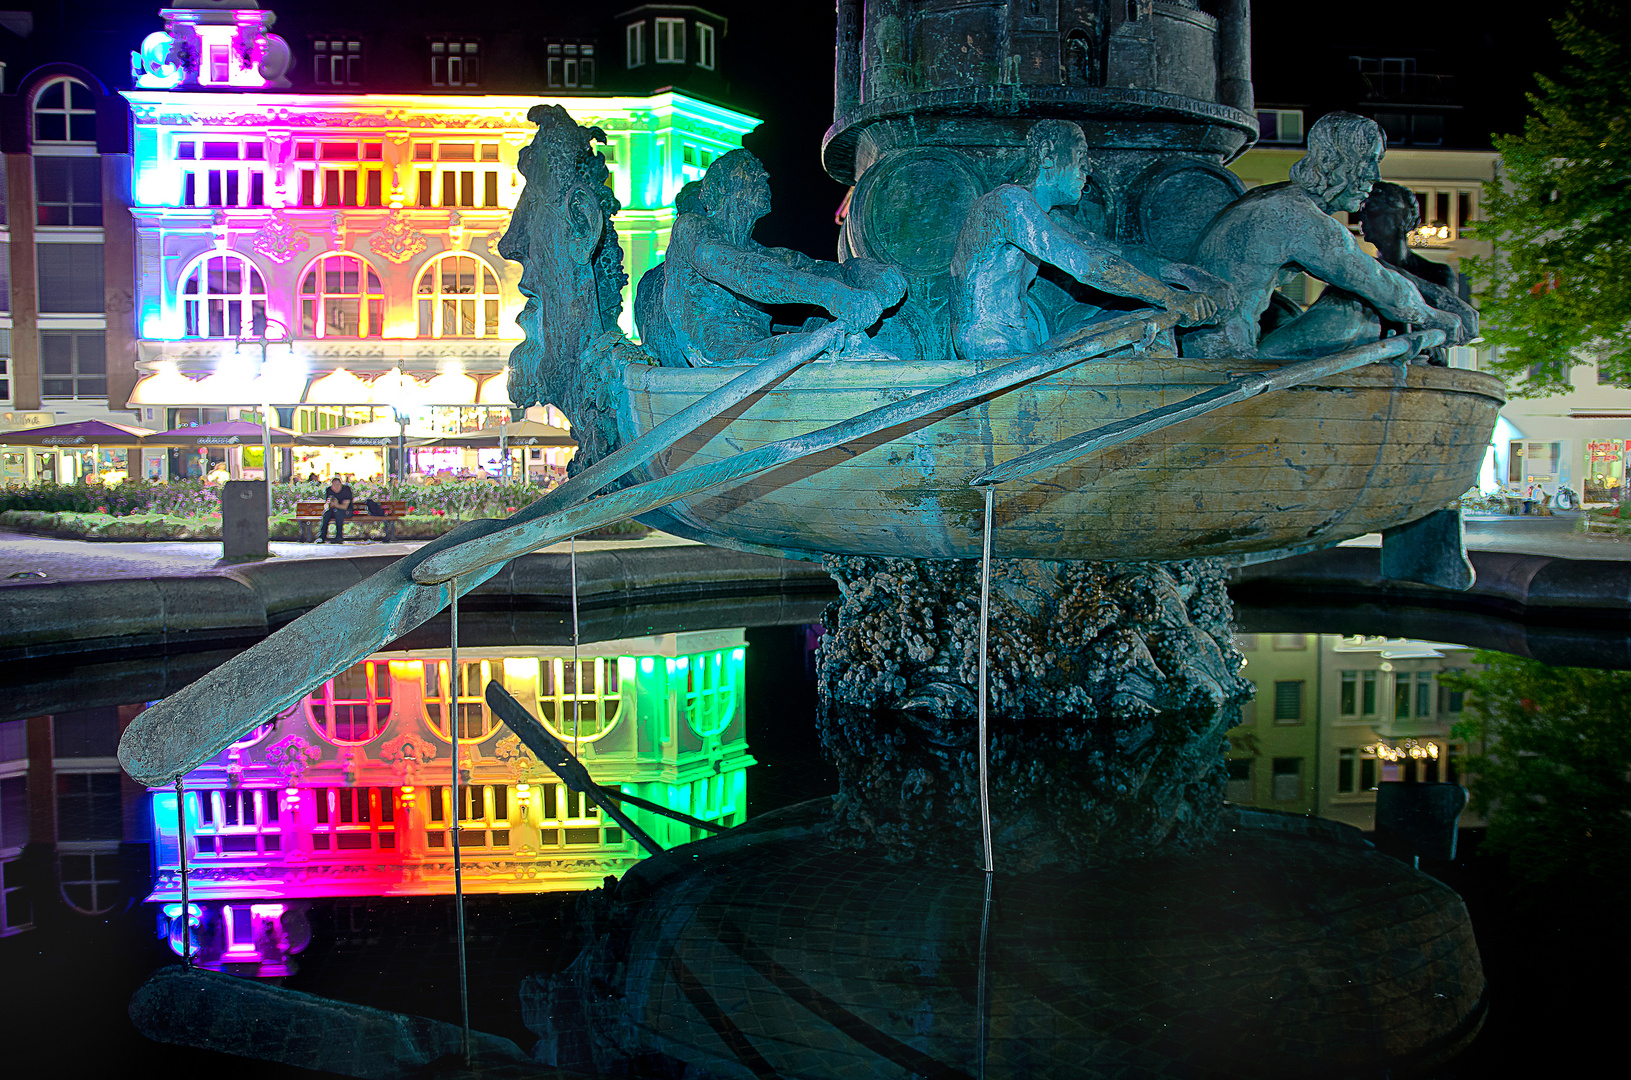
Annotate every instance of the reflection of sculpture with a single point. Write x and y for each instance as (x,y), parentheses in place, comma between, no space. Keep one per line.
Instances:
(1290,225)
(719,286)
(1008,237)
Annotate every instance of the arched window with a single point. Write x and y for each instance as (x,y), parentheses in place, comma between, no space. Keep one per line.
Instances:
(476,720)
(224,296)
(341,296)
(458,297)
(65,111)
(708,684)
(353,706)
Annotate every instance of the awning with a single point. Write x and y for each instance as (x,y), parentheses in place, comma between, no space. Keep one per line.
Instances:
(224,433)
(374,433)
(516,433)
(82,433)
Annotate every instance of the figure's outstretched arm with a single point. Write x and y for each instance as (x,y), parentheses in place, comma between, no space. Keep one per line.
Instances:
(1096,263)
(771,280)
(1331,254)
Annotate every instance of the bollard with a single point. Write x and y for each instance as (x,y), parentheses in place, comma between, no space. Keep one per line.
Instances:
(244,528)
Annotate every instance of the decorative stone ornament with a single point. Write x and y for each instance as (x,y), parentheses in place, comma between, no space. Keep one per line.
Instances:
(397,240)
(278,240)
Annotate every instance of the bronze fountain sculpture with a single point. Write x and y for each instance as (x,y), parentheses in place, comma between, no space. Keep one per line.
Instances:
(1049,339)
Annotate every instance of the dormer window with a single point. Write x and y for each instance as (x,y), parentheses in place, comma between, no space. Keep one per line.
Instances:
(455,63)
(635,41)
(65,111)
(705,46)
(336,62)
(571,66)
(670,41)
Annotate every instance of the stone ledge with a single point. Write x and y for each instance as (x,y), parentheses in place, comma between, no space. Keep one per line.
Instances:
(132,616)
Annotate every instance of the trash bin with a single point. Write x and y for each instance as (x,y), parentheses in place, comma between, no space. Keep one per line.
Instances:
(244,529)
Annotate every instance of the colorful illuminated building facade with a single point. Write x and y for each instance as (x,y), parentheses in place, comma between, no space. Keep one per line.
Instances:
(281,199)
(349,794)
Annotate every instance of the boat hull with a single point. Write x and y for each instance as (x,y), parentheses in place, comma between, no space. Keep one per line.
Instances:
(1317,464)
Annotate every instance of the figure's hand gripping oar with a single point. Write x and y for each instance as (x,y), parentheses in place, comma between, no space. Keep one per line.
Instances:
(1247,386)
(199,721)
(549,750)
(527,536)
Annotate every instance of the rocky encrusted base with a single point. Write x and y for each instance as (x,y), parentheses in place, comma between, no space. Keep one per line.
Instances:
(1111,685)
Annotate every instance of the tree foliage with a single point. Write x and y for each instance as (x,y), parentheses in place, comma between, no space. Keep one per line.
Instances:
(1554,778)
(1558,290)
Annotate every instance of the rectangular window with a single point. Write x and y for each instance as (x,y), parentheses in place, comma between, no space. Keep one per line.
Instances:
(1450,702)
(1239,790)
(1356,771)
(1452,764)
(70,278)
(308,187)
(1287,779)
(484,817)
(705,46)
(1424,693)
(88,807)
(670,41)
(1348,703)
(5,296)
(257,189)
(68,191)
(220,151)
(73,364)
(336,62)
(13,811)
(16,912)
(185,151)
(571,820)
(1401,696)
(1368,693)
(454,63)
(489,188)
(13,743)
(236,822)
(85,733)
(1280,125)
(634,43)
(1290,643)
(355,819)
(425,179)
(467,188)
(376,191)
(1288,701)
(220,63)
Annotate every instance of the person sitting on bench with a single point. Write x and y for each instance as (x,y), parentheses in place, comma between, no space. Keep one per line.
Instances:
(336,508)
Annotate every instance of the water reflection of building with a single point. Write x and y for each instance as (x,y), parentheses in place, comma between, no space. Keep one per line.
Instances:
(1334,716)
(348,794)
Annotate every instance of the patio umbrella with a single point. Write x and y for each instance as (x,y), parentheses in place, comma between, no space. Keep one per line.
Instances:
(374,433)
(517,433)
(222,433)
(85,433)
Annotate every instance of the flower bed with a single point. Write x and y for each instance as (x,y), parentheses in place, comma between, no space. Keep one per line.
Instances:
(72,525)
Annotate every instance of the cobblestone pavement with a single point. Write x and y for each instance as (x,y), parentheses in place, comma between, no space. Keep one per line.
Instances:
(80,560)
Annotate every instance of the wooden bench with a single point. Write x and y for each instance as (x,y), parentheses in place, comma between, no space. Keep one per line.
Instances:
(309,513)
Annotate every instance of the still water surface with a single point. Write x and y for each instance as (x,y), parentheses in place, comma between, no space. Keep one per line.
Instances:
(1331,716)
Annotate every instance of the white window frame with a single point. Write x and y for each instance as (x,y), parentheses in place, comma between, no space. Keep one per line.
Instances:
(482,306)
(634,41)
(197,306)
(670,40)
(68,111)
(314,304)
(705,46)
(375,673)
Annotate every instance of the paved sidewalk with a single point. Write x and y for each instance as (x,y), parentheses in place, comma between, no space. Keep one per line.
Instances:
(82,560)
(1554,536)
